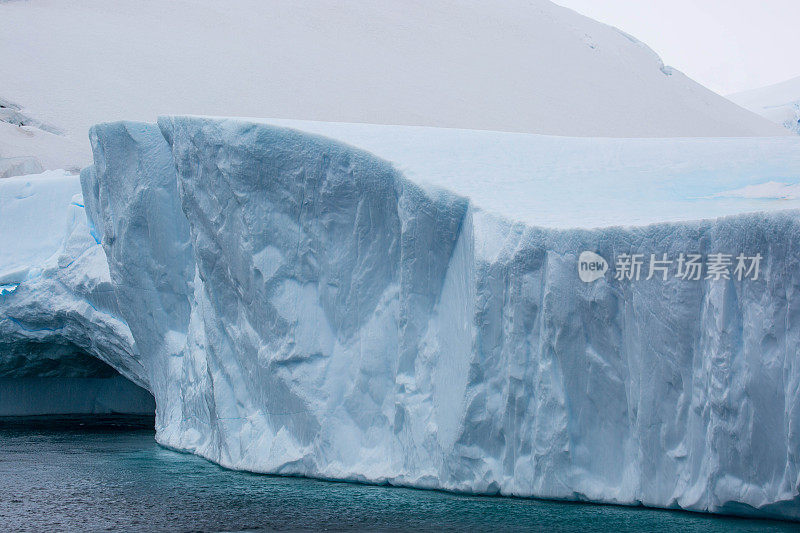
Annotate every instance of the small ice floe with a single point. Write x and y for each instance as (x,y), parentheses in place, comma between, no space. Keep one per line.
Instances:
(8,288)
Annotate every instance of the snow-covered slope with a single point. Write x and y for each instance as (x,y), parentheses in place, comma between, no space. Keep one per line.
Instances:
(517,65)
(298,305)
(780,103)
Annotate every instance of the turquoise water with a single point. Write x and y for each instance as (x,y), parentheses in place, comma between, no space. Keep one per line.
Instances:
(118,478)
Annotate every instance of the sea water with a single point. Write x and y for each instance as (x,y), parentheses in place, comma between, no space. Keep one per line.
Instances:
(58,474)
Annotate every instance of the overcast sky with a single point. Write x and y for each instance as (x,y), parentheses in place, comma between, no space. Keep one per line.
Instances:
(727,45)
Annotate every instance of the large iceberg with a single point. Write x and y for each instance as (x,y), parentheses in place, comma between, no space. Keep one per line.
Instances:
(403,305)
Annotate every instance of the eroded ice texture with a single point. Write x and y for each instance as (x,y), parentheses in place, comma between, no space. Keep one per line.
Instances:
(305,307)
(297,305)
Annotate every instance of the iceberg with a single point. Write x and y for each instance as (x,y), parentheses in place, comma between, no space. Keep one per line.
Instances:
(404,305)
(62,345)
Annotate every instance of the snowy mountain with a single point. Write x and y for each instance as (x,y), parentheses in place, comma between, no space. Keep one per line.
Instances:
(517,65)
(404,304)
(779,103)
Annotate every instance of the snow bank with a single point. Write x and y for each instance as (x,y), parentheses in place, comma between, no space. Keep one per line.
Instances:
(302,306)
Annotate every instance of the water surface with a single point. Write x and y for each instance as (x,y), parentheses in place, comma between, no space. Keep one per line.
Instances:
(115,477)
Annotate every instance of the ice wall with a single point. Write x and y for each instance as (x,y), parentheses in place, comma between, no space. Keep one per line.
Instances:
(668,393)
(307,308)
(132,204)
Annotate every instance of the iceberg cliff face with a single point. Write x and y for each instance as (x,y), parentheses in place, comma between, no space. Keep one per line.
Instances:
(297,305)
(373,330)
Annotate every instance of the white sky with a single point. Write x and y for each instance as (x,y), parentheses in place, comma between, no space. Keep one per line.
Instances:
(727,45)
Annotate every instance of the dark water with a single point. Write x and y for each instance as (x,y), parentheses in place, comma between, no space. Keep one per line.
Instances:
(97,477)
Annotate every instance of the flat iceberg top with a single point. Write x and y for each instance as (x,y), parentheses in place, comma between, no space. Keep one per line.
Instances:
(570,182)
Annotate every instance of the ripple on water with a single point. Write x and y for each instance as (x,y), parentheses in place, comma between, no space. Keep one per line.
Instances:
(116,477)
